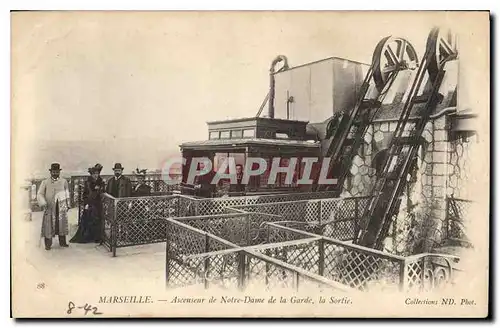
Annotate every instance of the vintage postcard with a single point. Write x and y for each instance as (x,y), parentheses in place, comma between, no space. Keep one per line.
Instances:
(250,164)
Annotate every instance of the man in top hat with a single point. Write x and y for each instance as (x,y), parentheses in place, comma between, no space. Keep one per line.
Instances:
(119,185)
(53,198)
(142,189)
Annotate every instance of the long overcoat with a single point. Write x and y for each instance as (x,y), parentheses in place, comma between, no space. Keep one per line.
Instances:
(50,194)
(124,187)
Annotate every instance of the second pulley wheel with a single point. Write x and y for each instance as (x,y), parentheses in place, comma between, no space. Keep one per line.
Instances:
(442,46)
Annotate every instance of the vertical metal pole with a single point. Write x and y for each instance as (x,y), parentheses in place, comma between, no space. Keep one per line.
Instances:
(321,261)
(447,219)
(287,104)
(114,226)
(248,229)
(267,252)
(167,250)
(71,192)
(207,260)
(242,270)
(403,271)
(320,202)
(356,217)
(271,94)
(422,274)
(297,281)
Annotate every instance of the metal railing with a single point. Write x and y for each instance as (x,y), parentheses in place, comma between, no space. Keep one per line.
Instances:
(247,248)
(75,183)
(229,268)
(311,261)
(141,220)
(456,218)
(337,218)
(136,220)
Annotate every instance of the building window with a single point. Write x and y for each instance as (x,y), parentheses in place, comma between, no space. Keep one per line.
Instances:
(248,133)
(214,135)
(236,134)
(224,135)
(282,136)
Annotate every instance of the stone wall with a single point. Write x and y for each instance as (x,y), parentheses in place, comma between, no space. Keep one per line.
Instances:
(441,171)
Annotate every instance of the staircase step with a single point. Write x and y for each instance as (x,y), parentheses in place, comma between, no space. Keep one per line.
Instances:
(421,99)
(370,103)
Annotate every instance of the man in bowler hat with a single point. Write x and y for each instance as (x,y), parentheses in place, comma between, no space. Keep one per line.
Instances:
(119,185)
(53,198)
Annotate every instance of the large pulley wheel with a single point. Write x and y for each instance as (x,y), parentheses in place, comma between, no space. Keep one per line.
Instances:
(442,47)
(390,56)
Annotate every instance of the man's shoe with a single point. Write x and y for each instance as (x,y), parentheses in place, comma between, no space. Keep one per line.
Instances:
(62,241)
(48,243)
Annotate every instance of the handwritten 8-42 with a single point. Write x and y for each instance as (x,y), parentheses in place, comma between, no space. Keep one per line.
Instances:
(87,308)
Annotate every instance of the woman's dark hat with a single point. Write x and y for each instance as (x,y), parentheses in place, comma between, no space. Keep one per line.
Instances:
(118,166)
(93,169)
(98,167)
(140,172)
(55,167)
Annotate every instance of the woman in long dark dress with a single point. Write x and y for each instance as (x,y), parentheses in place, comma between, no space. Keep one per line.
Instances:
(90,227)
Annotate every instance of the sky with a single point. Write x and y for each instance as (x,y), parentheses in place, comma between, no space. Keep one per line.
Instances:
(160,76)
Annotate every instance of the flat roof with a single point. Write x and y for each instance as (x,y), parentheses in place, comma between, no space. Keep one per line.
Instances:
(250,141)
(322,60)
(256,118)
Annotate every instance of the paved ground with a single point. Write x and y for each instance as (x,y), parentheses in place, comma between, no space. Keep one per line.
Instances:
(80,269)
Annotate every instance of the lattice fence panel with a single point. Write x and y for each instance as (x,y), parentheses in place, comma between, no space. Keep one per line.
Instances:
(456,218)
(186,254)
(359,269)
(429,272)
(108,208)
(460,163)
(186,206)
(185,241)
(277,234)
(267,275)
(258,233)
(313,228)
(224,270)
(344,230)
(141,220)
(211,206)
(413,275)
(183,272)
(304,255)
(231,228)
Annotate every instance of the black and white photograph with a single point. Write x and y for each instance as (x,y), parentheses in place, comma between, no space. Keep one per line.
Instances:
(250,164)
